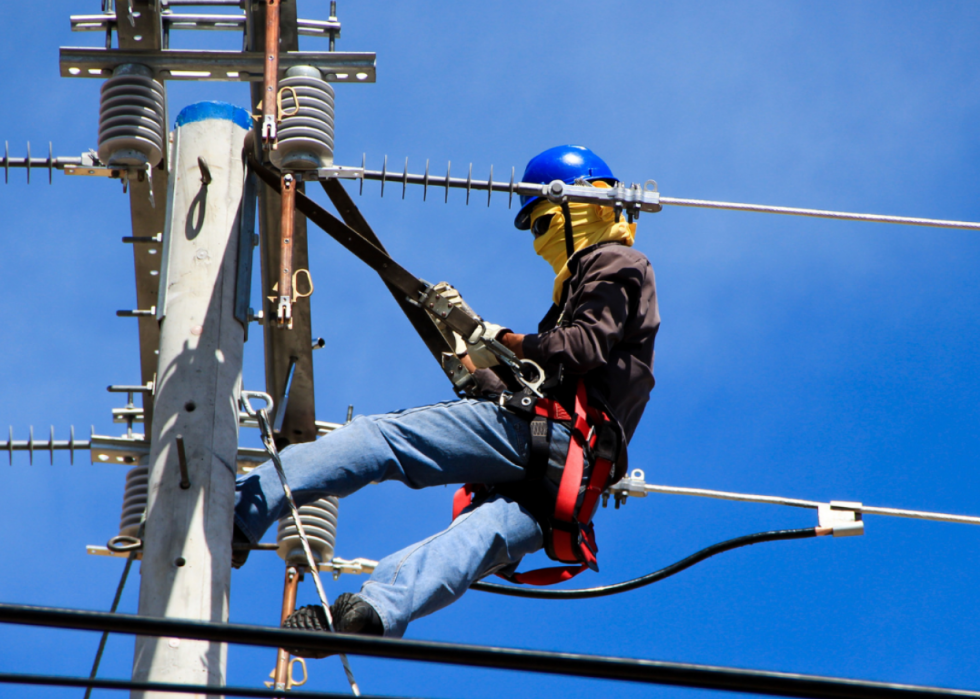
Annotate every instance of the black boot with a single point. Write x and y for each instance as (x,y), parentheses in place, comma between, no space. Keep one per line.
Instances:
(350,614)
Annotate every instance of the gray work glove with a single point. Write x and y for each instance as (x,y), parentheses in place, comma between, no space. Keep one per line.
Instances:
(448,292)
(481,355)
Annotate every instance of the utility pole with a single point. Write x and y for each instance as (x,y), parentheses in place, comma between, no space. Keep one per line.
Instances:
(186,569)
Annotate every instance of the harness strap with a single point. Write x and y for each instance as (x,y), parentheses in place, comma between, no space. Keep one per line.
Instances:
(537,463)
(572,537)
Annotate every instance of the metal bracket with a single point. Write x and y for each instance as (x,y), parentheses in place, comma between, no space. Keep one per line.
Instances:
(340,172)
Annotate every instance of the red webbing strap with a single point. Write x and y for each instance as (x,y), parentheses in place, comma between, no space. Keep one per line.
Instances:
(551,409)
(463,498)
(565,548)
(545,576)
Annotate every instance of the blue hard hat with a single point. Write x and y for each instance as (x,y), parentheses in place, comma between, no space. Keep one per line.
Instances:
(565,163)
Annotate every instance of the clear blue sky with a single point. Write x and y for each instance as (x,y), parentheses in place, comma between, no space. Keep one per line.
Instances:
(805,358)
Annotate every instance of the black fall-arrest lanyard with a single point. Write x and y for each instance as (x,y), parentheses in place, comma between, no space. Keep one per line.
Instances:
(415,291)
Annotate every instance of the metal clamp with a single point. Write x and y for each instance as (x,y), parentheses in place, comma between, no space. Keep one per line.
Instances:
(632,485)
(843,517)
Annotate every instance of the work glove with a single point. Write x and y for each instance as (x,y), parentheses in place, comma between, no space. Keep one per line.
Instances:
(481,355)
(448,292)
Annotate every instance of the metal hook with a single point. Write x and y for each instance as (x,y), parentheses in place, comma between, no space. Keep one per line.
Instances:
(28,162)
(185,481)
(50,163)
(510,196)
(425,181)
(490,186)
(448,163)
(205,171)
(469,181)
(245,395)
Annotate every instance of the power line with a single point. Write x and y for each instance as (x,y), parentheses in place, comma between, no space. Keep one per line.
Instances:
(818,213)
(571,664)
(92,683)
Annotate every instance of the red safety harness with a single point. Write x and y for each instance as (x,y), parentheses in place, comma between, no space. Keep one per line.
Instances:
(569,535)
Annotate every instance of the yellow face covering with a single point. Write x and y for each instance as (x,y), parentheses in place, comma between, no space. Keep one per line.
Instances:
(591,224)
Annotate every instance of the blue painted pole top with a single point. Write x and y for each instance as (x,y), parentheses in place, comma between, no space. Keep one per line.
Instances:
(202,111)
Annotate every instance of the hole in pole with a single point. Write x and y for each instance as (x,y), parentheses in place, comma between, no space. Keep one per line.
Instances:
(179,562)
(190,406)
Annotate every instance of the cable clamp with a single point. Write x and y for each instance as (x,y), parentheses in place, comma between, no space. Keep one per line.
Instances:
(631,485)
(843,517)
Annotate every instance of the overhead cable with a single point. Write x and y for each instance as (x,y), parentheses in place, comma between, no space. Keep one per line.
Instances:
(135,685)
(571,664)
(793,502)
(818,213)
(649,579)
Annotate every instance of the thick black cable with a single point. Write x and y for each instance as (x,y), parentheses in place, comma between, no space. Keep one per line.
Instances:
(656,576)
(547,662)
(91,683)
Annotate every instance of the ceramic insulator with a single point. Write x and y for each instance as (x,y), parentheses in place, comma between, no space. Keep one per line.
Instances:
(134,500)
(132,118)
(306,138)
(320,523)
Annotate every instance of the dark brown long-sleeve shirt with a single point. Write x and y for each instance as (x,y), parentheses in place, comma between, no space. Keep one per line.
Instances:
(604,331)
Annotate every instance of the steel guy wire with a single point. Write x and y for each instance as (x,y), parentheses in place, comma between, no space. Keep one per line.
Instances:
(115,605)
(623,487)
(270,445)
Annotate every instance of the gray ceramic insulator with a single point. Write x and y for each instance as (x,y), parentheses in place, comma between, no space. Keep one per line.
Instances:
(320,524)
(134,500)
(132,118)
(305,139)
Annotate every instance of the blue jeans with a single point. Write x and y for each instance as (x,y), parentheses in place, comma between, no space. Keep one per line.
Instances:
(465,441)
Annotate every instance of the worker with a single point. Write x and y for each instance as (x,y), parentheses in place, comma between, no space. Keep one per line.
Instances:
(596,345)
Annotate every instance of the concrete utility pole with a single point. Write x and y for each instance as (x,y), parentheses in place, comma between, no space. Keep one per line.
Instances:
(186,569)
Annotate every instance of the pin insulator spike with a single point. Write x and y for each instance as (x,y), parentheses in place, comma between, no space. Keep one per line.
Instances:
(384,172)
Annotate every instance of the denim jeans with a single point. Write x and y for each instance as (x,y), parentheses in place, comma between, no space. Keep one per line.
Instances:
(465,441)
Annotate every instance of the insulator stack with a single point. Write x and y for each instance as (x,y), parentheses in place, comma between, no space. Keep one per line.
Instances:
(306,126)
(134,500)
(132,118)
(320,523)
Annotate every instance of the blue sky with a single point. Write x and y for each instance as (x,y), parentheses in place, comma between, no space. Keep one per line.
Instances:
(806,358)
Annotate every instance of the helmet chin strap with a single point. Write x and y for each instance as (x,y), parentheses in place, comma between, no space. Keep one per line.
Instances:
(569,233)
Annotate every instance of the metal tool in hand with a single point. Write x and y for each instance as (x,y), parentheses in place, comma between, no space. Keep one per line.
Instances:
(268,440)
(417,292)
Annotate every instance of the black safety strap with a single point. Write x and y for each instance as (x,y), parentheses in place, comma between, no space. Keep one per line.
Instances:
(537,464)
(434,340)
(392,273)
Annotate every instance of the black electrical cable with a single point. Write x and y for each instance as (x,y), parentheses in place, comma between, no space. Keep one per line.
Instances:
(127,685)
(651,578)
(549,662)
